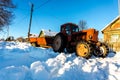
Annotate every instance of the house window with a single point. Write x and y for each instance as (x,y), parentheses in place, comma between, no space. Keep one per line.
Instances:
(114,38)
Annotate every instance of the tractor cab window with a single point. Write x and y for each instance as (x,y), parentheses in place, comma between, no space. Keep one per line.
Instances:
(68,30)
(75,29)
(63,29)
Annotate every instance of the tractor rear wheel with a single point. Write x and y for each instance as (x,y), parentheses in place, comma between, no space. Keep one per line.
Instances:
(103,51)
(59,43)
(84,49)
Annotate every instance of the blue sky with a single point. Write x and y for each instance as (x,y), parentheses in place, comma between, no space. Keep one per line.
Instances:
(53,13)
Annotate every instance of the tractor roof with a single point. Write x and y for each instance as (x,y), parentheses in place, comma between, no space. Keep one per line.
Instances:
(68,24)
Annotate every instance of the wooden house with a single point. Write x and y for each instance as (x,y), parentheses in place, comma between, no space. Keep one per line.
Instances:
(111,34)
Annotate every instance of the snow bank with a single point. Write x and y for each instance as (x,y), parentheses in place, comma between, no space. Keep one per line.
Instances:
(14,73)
(38,71)
(20,61)
(63,68)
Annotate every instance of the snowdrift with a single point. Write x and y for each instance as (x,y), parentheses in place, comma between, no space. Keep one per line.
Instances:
(21,61)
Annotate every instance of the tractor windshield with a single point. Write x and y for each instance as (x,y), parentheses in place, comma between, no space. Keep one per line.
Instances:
(69,28)
(75,29)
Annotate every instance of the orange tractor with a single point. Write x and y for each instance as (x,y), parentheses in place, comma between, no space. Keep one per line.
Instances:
(84,42)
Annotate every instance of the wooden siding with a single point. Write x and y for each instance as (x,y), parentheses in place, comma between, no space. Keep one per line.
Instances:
(112,35)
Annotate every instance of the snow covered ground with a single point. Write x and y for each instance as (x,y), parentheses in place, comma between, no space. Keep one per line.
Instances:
(20,61)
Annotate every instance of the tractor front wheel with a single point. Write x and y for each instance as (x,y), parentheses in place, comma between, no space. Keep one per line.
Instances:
(84,49)
(101,51)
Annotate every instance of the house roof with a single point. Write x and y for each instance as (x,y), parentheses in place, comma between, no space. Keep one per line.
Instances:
(110,23)
(47,33)
(33,35)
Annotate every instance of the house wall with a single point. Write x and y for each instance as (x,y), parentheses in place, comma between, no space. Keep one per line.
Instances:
(113,39)
(112,35)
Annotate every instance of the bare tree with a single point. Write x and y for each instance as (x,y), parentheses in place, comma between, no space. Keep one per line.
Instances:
(6,14)
(82,25)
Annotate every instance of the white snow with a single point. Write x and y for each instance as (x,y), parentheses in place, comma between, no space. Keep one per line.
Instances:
(49,33)
(21,61)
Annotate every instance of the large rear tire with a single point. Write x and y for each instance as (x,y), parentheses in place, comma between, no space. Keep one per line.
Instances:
(84,49)
(59,43)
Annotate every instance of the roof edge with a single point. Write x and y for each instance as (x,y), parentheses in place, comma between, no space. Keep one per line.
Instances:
(109,23)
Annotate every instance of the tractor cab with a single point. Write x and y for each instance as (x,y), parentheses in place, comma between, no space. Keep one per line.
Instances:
(69,28)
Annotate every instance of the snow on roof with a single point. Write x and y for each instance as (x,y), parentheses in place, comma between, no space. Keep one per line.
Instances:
(110,23)
(33,35)
(48,33)
(45,33)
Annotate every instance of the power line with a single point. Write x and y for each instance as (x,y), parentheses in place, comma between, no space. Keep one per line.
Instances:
(55,17)
(43,4)
(22,19)
(21,8)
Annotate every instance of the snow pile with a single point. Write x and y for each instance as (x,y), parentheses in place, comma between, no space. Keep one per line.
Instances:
(20,61)
(13,45)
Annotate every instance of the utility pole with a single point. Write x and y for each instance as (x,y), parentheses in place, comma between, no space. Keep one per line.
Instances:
(31,12)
